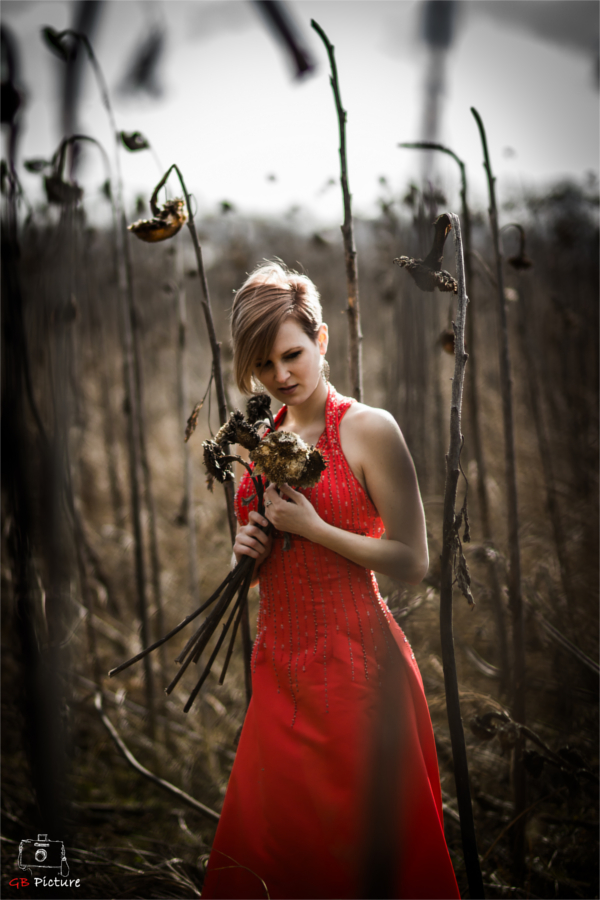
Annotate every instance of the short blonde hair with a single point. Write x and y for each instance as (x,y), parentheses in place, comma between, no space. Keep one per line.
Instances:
(270,294)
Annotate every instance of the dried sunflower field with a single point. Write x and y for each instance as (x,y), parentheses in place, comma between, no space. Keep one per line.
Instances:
(72,558)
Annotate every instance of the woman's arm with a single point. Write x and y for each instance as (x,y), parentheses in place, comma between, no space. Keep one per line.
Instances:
(380,459)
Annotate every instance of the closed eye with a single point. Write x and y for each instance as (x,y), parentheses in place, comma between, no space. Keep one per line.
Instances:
(293,355)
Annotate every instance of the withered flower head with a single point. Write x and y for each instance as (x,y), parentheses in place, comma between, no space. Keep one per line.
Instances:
(482,728)
(520,262)
(134,140)
(258,407)
(59,191)
(427,273)
(165,224)
(428,279)
(314,468)
(284,458)
(238,431)
(218,465)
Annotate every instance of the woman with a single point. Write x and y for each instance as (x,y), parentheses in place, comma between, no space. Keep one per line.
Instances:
(335,789)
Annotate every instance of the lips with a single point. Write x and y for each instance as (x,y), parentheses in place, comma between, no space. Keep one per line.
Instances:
(288,390)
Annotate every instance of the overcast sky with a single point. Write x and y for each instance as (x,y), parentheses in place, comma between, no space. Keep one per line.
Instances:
(231,113)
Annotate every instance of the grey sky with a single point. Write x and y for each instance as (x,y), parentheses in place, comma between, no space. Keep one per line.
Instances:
(231,114)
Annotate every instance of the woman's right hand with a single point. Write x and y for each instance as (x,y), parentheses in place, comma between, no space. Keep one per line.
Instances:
(251,540)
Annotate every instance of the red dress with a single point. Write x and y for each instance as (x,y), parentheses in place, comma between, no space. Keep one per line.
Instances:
(335,790)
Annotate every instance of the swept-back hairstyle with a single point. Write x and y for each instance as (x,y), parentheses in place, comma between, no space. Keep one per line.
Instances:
(270,294)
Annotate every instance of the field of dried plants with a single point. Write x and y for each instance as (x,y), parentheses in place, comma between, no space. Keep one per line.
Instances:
(70,603)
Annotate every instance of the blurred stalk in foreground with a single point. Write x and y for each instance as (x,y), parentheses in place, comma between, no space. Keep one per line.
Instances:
(132,376)
(453,562)
(353,311)
(514,572)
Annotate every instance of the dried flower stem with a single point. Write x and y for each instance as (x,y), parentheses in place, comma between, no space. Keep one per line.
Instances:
(174,631)
(188,483)
(514,575)
(537,414)
(473,411)
(165,785)
(353,311)
(237,582)
(459,751)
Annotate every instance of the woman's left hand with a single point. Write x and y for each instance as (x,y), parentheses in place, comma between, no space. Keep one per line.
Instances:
(296,517)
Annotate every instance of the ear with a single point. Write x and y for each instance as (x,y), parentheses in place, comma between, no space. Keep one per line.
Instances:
(323,339)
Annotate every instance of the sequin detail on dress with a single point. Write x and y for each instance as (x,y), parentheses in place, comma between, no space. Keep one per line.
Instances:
(300,624)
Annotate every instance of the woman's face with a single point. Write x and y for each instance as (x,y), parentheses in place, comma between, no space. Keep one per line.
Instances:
(293,369)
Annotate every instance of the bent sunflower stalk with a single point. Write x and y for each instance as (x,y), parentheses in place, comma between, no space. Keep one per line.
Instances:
(279,457)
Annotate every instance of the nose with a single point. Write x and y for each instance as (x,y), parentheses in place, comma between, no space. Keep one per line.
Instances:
(281,372)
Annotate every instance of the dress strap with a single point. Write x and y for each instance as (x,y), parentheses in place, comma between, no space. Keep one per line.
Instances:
(337,406)
(278,417)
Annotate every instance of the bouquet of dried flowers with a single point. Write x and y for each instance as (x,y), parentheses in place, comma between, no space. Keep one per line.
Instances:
(279,457)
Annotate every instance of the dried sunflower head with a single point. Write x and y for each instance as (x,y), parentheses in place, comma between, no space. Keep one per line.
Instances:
(283,457)
(218,465)
(314,468)
(238,431)
(59,191)
(258,408)
(166,223)
(520,262)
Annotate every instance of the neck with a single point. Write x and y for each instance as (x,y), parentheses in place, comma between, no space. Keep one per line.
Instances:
(300,417)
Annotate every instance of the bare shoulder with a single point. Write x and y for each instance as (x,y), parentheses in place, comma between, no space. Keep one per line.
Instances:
(363,422)
(374,446)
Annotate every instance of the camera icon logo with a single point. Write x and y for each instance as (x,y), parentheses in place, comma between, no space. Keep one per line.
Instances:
(43,854)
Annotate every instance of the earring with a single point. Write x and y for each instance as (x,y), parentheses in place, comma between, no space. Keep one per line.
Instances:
(325,370)
(257,386)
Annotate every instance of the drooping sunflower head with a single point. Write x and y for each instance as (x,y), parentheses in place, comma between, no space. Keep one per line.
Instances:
(258,408)
(238,431)
(218,465)
(165,224)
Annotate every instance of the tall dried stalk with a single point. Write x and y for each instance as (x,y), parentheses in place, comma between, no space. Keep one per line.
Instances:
(100,345)
(451,539)
(473,412)
(514,573)
(137,359)
(533,391)
(221,400)
(187,516)
(134,456)
(353,310)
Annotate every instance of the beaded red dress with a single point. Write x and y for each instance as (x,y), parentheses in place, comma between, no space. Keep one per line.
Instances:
(298,820)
